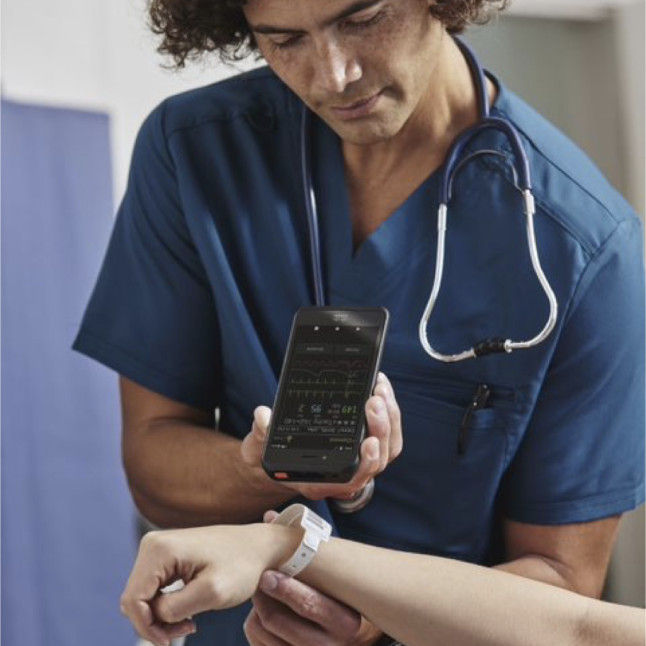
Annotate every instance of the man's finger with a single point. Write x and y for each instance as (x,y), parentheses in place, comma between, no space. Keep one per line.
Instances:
(253,444)
(278,619)
(385,389)
(369,454)
(379,426)
(333,616)
(368,468)
(270,515)
(257,634)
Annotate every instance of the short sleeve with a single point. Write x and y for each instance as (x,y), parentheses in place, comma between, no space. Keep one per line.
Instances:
(582,457)
(152,316)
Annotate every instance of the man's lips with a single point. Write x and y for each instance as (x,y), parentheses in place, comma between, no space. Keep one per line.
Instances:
(358,108)
(356,104)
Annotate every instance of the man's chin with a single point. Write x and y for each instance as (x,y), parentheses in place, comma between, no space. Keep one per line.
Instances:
(363,132)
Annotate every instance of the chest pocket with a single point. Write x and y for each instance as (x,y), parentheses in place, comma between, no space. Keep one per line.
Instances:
(434,498)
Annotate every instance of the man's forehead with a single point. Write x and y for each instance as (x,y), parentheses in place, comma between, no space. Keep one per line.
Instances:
(273,15)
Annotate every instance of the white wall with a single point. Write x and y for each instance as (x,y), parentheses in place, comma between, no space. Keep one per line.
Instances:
(567,9)
(628,32)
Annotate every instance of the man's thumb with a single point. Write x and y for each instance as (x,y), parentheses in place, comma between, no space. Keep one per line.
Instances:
(253,443)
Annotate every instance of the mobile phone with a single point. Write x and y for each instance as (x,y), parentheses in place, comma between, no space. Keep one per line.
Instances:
(329,371)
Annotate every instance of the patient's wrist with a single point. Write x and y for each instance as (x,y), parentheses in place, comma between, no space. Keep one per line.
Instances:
(276,543)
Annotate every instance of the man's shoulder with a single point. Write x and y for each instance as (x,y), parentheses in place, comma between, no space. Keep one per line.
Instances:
(567,184)
(256,93)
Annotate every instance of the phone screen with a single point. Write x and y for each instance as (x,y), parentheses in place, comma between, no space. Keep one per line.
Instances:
(325,387)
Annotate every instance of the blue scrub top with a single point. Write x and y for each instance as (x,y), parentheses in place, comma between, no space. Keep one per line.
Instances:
(209,260)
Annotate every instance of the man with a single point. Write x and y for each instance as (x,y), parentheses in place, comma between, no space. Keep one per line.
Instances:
(210,259)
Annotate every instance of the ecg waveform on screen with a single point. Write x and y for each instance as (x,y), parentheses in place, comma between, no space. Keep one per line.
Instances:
(336,364)
(307,393)
(329,378)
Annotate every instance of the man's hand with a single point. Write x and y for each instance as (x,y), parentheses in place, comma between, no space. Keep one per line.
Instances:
(382,445)
(294,614)
(287,612)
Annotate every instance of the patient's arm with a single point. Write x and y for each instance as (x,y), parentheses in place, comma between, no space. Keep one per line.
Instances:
(421,599)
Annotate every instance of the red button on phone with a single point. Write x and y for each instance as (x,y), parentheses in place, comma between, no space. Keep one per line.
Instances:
(281,476)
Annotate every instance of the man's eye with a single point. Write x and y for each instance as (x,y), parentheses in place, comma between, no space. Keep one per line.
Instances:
(348,25)
(363,24)
(286,44)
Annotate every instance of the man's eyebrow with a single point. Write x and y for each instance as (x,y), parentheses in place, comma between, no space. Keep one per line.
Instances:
(348,11)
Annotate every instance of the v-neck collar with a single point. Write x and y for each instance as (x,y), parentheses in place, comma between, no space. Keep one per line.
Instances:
(385,254)
(386,249)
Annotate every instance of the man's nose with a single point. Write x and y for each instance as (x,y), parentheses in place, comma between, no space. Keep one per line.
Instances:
(335,67)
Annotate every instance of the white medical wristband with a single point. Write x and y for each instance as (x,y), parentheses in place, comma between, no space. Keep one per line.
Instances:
(316,530)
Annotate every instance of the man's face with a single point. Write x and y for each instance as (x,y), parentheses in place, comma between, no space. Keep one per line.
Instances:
(361,65)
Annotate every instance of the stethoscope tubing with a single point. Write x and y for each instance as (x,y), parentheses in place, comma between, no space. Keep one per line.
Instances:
(311,208)
(454,161)
(452,165)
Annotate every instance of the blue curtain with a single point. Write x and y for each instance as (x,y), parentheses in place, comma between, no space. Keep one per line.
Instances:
(68,526)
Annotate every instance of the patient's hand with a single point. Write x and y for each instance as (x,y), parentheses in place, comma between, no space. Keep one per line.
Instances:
(383,443)
(220,567)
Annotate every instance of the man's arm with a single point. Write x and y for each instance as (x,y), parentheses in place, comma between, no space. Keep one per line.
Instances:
(574,557)
(182,471)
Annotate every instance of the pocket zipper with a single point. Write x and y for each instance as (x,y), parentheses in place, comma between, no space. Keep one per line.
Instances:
(479,400)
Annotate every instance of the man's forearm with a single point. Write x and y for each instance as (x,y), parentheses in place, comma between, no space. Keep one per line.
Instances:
(573,556)
(539,569)
(181,474)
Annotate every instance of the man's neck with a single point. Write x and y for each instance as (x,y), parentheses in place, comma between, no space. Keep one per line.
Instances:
(447,107)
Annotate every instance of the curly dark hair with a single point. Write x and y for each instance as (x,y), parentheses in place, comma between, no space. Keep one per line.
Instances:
(191,28)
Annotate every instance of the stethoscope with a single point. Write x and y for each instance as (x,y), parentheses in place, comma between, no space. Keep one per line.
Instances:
(454,162)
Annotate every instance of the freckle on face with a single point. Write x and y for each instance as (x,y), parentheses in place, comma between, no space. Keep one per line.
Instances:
(395,55)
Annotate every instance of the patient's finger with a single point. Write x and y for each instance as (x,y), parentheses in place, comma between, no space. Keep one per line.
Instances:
(198,595)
